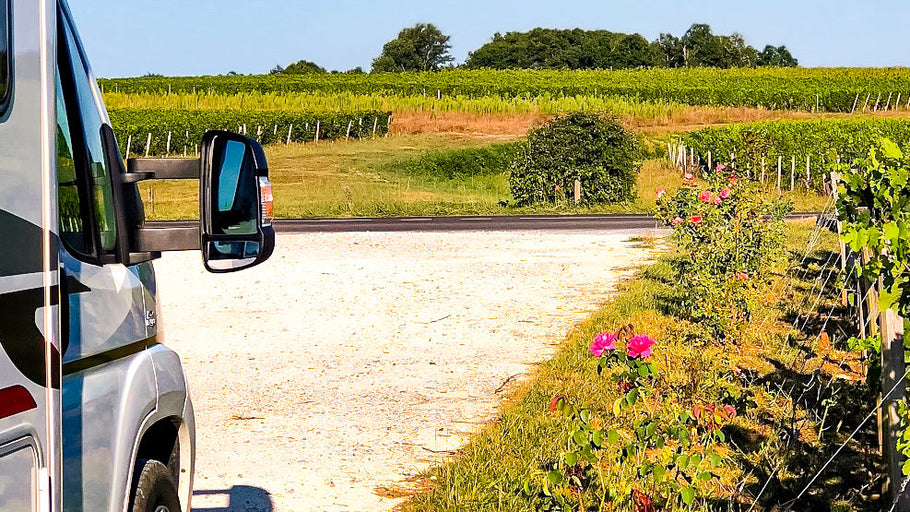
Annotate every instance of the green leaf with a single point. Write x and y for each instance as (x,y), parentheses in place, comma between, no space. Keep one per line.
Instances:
(873,235)
(571,459)
(695,460)
(613,436)
(888,297)
(555,477)
(891,231)
(891,150)
(659,472)
(597,437)
(898,177)
(704,476)
(715,460)
(585,416)
(632,396)
(580,438)
(688,495)
(682,461)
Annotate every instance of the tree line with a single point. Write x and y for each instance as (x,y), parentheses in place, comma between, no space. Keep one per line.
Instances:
(424,47)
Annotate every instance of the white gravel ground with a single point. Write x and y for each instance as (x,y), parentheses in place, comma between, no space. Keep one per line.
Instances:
(352,361)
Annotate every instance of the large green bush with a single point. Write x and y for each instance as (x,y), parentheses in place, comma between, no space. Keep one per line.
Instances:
(594,149)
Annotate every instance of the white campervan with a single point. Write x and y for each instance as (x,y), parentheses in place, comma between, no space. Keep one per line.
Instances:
(94,411)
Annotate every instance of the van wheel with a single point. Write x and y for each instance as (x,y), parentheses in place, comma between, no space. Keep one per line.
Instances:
(154,489)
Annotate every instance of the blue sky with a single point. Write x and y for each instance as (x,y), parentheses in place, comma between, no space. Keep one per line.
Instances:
(195,37)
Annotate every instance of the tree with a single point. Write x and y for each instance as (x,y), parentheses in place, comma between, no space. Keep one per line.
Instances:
(777,56)
(671,50)
(419,48)
(737,54)
(701,47)
(302,67)
(544,48)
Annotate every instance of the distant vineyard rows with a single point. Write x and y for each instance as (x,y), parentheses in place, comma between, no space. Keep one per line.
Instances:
(832,89)
(824,142)
(186,127)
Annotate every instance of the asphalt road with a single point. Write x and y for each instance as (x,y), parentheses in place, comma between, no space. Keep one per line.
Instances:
(463,223)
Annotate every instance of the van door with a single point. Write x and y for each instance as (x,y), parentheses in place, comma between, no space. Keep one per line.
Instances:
(29,327)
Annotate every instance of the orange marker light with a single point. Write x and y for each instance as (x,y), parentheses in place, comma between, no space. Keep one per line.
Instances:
(265,198)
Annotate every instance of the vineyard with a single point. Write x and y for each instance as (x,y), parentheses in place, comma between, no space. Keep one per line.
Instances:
(825,90)
(806,148)
(345,101)
(173,131)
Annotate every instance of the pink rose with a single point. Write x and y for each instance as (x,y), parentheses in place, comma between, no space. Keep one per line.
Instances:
(688,176)
(603,342)
(742,275)
(717,200)
(705,196)
(640,346)
(677,221)
(720,167)
(724,193)
(731,411)
(695,220)
(660,192)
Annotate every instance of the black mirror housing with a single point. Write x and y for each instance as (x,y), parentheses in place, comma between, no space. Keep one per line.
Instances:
(235,200)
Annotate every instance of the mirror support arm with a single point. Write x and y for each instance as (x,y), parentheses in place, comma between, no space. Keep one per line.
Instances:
(142,169)
(152,241)
(167,239)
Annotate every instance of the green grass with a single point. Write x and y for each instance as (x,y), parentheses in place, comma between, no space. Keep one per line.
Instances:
(490,472)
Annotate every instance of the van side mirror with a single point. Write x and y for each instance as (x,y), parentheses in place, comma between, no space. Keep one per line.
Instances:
(235,204)
(235,199)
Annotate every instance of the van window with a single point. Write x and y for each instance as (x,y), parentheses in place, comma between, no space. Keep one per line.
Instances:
(79,92)
(69,194)
(5,59)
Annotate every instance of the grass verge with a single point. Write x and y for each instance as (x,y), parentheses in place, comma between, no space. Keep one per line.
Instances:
(774,446)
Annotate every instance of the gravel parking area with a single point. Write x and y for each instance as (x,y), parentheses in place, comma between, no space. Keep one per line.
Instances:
(351,361)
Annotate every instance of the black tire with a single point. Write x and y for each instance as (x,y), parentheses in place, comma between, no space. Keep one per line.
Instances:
(154,489)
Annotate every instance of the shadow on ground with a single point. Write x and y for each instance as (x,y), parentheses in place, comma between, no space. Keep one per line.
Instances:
(239,498)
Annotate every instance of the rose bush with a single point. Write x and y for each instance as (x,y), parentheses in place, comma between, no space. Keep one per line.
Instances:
(730,240)
(670,455)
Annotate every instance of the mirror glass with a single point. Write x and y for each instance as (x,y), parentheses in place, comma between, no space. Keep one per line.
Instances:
(231,255)
(236,194)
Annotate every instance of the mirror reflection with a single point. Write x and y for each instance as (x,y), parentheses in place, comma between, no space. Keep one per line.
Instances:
(236,203)
(231,255)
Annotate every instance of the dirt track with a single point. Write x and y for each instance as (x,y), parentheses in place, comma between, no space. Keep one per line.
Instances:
(349,362)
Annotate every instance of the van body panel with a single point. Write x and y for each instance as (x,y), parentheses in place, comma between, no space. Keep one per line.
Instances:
(85,386)
(29,327)
(104,409)
(107,307)
(19,467)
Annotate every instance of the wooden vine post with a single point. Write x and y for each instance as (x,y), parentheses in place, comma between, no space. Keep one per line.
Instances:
(894,390)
